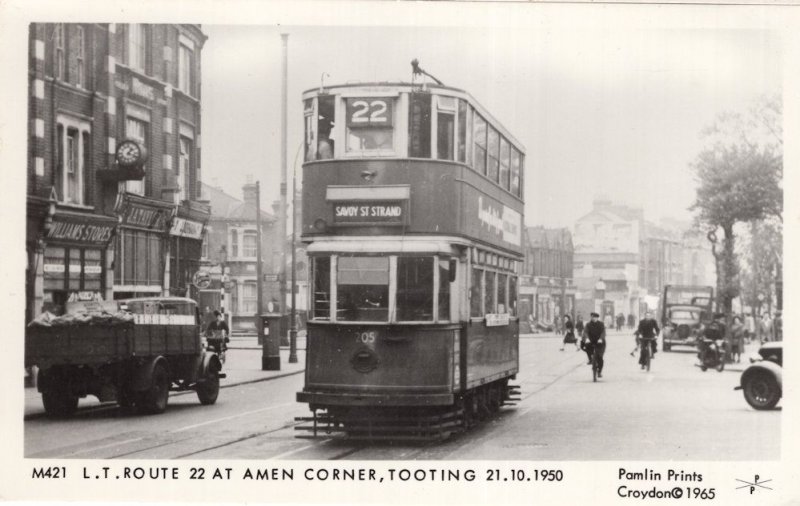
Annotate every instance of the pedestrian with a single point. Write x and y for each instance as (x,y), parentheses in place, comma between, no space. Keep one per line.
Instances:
(777,326)
(620,321)
(569,333)
(608,321)
(631,321)
(594,337)
(749,327)
(557,325)
(579,325)
(765,329)
(735,339)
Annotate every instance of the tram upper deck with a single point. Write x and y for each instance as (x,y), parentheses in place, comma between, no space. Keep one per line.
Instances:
(400,159)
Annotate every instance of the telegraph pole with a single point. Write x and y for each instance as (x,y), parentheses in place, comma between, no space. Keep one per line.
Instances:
(282,214)
(259,273)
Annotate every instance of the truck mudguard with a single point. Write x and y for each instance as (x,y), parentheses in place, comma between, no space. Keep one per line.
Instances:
(143,376)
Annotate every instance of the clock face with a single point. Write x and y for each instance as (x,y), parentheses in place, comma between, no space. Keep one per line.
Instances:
(129,153)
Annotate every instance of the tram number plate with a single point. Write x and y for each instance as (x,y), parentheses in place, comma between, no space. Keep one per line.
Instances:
(366,337)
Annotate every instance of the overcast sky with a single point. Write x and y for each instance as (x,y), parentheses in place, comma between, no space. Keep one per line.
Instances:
(610,111)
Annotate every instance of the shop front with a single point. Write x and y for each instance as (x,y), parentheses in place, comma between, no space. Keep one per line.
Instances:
(141,246)
(73,260)
(185,252)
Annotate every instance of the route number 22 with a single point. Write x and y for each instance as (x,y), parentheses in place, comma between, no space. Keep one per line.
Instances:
(369,112)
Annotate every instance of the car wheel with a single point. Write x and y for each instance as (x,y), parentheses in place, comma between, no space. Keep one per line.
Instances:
(761,391)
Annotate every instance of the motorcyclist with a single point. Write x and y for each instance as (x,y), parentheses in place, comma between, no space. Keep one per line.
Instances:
(714,335)
(217,333)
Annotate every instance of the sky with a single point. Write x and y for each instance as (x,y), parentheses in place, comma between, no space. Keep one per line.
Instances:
(602,109)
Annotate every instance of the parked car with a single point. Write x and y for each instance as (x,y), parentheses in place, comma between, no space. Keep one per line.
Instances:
(762,381)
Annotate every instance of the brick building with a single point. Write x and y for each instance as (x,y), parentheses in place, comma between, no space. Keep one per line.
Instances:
(546,287)
(93,229)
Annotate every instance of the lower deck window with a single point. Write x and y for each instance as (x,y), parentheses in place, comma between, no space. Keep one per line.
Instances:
(363,289)
(415,289)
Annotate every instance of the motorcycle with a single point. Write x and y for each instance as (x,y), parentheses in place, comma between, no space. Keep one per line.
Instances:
(712,354)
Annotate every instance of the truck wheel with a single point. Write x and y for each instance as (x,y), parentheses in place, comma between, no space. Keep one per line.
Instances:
(208,390)
(59,402)
(154,400)
(666,347)
(761,391)
(125,397)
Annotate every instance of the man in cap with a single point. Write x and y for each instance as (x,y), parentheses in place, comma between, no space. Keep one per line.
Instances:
(646,334)
(594,337)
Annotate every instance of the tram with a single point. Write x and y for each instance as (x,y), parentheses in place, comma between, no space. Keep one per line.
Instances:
(412,215)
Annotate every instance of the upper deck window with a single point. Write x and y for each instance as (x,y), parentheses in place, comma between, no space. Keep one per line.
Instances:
(445,127)
(516,166)
(504,163)
(479,137)
(370,125)
(462,131)
(493,152)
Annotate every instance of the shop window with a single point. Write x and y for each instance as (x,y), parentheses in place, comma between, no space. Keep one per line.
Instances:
(92,270)
(139,258)
(445,127)
(476,293)
(444,289)
(415,288)
(321,294)
(54,268)
(362,289)
(479,138)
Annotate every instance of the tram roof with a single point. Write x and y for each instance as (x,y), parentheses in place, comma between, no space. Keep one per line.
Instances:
(401,86)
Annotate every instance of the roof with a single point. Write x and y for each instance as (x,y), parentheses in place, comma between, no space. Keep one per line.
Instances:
(227,207)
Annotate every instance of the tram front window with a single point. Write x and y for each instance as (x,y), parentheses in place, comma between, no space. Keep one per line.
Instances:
(415,289)
(363,289)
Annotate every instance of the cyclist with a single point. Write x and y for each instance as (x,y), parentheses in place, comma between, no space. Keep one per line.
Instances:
(648,330)
(594,337)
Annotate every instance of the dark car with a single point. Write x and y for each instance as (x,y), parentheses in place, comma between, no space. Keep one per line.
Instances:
(762,381)
(683,325)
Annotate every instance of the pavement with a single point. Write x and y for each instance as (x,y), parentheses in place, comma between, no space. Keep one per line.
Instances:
(242,366)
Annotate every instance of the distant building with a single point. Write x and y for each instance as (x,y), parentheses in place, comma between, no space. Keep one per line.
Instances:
(546,287)
(95,231)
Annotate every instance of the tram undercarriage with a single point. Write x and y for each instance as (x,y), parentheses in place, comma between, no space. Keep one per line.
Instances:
(409,423)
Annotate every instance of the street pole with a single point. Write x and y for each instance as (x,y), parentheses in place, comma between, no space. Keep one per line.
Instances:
(282,214)
(293,314)
(259,273)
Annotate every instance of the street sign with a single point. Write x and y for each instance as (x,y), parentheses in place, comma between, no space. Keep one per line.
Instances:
(201,279)
(270,277)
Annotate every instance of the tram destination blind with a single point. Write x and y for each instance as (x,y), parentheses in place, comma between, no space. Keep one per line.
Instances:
(363,212)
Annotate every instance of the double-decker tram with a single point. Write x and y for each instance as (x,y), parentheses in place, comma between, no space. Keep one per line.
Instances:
(412,215)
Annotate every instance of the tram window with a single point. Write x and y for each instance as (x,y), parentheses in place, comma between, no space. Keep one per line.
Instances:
(322,288)
(363,289)
(504,163)
(462,131)
(370,125)
(502,299)
(512,295)
(419,126)
(308,116)
(516,160)
(493,152)
(489,292)
(444,289)
(325,124)
(445,127)
(479,136)
(475,293)
(415,289)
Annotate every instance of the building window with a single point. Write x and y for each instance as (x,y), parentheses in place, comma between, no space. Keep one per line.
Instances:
(137,130)
(73,143)
(186,68)
(234,243)
(249,244)
(58,41)
(184,164)
(249,297)
(445,127)
(80,39)
(137,47)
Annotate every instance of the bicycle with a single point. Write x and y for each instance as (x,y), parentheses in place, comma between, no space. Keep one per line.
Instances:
(647,352)
(597,356)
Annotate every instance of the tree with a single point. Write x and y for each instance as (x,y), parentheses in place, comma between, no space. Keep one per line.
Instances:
(739,177)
